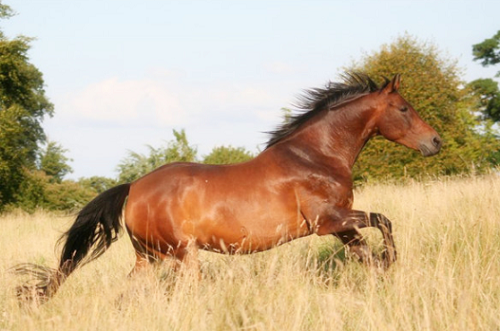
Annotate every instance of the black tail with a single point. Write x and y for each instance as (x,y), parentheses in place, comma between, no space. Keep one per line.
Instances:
(96,227)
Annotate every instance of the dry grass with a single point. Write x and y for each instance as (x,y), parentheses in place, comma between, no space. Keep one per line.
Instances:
(447,277)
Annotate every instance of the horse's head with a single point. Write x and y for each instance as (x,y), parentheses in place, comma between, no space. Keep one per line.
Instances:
(399,122)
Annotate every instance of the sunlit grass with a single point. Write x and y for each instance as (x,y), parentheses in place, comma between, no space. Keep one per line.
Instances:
(447,277)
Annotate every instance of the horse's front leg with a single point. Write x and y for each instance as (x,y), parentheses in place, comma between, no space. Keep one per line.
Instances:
(381,222)
(354,241)
(346,226)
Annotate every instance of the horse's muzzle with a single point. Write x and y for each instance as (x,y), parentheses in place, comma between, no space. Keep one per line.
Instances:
(432,146)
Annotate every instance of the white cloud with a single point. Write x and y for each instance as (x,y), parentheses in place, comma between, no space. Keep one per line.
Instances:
(100,122)
(168,102)
(125,101)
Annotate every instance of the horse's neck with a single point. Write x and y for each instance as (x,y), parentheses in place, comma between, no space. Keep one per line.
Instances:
(337,137)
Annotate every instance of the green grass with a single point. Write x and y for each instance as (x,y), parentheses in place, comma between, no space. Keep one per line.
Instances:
(447,277)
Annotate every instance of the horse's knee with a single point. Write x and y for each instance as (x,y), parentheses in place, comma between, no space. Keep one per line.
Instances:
(381,222)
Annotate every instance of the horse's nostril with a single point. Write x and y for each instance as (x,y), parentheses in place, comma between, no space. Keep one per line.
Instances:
(436,141)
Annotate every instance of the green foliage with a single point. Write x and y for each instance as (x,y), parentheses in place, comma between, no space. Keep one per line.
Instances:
(97,183)
(67,195)
(136,165)
(488,96)
(30,177)
(227,155)
(39,191)
(487,89)
(179,150)
(22,107)
(431,84)
(5,11)
(488,51)
(53,162)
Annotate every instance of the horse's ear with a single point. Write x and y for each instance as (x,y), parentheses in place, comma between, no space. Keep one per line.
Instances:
(393,85)
(395,82)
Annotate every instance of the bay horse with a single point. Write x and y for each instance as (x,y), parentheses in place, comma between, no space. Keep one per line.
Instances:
(300,184)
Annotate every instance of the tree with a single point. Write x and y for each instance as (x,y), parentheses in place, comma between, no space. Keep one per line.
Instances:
(431,83)
(53,162)
(136,165)
(38,191)
(488,51)
(487,90)
(227,155)
(23,105)
(5,11)
(97,183)
(488,96)
(179,150)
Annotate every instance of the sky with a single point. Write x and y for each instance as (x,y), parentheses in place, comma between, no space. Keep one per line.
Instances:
(123,74)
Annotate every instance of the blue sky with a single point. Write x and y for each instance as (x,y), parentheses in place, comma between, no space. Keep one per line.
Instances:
(123,74)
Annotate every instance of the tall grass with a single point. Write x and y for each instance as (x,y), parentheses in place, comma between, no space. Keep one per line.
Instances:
(447,277)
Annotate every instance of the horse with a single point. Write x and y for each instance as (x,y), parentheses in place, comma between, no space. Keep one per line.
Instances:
(300,184)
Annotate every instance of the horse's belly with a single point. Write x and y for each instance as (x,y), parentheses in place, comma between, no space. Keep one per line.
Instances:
(252,235)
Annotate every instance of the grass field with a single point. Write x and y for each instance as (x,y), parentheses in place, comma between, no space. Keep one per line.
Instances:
(447,277)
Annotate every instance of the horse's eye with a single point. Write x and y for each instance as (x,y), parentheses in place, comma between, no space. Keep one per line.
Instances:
(403,109)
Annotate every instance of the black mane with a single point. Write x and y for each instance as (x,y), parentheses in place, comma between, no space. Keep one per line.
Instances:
(317,99)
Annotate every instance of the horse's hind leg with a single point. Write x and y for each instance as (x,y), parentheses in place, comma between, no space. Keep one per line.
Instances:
(146,256)
(144,261)
(183,258)
(188,256)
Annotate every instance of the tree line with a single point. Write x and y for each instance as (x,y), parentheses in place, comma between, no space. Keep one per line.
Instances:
(33,169)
